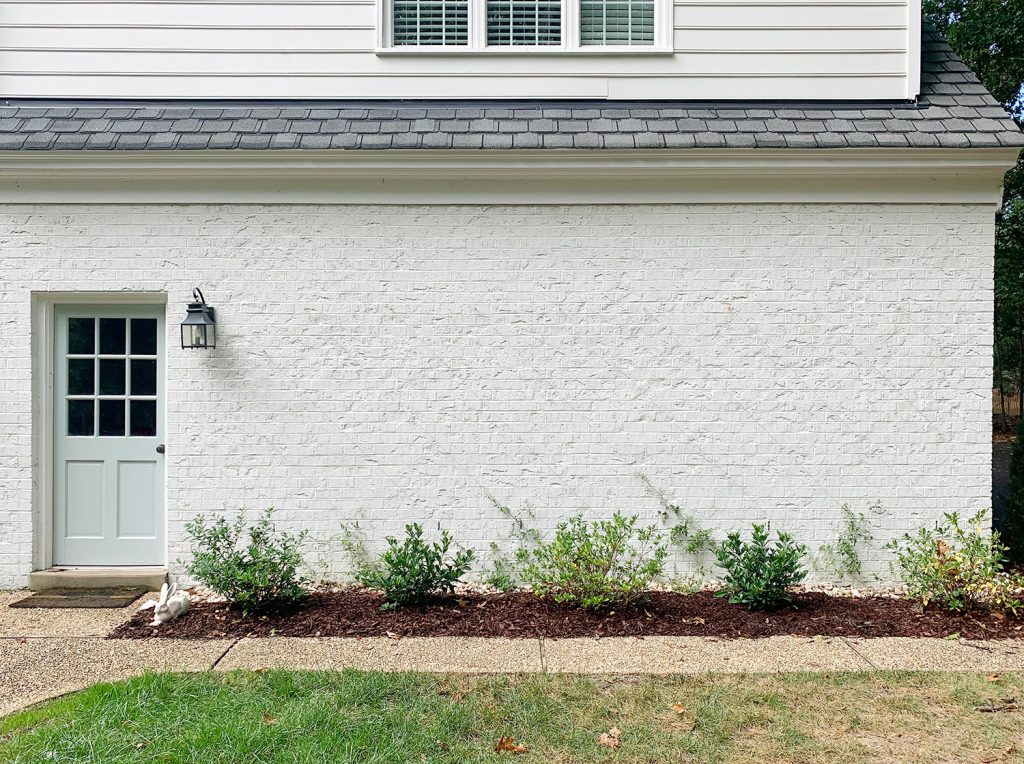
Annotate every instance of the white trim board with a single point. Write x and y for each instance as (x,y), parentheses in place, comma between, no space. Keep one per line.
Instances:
(488,177)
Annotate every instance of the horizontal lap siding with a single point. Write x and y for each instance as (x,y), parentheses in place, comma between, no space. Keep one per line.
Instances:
(790,50)
(403,363)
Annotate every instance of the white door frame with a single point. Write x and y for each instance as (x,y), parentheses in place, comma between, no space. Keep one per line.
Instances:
(43,339)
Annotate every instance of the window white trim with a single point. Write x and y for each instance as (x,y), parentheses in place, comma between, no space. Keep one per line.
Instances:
(570,45)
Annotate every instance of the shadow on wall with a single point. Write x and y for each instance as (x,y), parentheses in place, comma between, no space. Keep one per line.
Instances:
(1001,450)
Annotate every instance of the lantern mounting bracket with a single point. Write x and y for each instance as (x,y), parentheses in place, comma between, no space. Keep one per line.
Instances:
(200,301)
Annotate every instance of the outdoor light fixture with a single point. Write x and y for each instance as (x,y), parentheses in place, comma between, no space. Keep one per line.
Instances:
(199,329)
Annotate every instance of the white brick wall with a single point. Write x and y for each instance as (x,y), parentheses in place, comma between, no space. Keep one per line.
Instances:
(403,363)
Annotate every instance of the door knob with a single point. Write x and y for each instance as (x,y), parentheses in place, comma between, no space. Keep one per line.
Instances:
(160,449)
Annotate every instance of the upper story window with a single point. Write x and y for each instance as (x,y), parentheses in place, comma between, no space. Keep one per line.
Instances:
(519,25)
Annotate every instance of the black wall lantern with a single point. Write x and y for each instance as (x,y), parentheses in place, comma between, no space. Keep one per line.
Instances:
(199,329)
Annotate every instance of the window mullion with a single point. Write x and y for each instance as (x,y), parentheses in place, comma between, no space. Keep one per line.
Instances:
(570,24)
(477,24)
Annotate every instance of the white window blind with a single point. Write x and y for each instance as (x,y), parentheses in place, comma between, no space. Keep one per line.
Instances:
(524,22)
(616,22)
(430,22)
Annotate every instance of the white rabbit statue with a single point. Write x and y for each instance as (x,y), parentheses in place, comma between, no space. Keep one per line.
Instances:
(171,604)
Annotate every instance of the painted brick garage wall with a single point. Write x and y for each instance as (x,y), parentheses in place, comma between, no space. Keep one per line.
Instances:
(399,363)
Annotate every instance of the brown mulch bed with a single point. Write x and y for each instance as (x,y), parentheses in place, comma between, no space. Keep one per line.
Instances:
(358,614)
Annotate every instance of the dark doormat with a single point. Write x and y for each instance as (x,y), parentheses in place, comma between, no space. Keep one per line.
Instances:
(119,596)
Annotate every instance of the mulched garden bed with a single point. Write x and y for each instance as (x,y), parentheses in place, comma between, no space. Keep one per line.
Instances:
(357,614)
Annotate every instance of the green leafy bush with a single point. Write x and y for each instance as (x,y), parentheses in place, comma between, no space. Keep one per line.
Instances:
(412,571)
(254,568)
(608,562)
(757,573)
(957,568)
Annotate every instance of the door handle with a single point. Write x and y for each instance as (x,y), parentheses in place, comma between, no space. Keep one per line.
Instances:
(160,449)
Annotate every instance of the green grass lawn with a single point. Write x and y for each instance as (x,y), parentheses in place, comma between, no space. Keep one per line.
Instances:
(282,716)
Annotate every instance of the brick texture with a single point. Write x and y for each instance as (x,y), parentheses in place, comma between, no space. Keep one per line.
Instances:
(391,364)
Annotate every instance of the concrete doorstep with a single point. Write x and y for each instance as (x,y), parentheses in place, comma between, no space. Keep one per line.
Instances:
(46,653)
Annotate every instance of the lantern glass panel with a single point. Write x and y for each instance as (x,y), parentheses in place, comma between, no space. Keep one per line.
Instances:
(193,336)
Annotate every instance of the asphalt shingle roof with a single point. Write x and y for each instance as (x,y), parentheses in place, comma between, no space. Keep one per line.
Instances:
(953,111)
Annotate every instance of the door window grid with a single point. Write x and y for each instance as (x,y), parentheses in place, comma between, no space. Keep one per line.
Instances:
(117,396)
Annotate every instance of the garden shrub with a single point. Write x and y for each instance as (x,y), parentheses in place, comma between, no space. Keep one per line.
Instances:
(957,568)
(607,562)
(757,573)
(254,568)
(412,571)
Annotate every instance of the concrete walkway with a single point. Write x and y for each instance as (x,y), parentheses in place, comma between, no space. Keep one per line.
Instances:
(44,653)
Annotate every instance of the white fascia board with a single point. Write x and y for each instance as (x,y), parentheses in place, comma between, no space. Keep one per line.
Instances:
(444,177)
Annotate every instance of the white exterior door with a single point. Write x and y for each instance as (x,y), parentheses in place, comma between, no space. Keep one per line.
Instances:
(108,466)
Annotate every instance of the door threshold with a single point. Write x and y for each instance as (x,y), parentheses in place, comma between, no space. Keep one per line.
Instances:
(151,577)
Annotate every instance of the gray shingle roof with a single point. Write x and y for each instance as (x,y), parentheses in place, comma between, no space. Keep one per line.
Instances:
(953,111)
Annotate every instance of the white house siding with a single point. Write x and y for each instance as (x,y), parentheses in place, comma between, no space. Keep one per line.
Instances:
(723,49)
(401,363)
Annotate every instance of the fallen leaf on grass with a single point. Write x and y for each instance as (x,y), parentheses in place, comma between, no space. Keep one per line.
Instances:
(269,720)
(679,708)
(609,739)
(509,745)
(993,677)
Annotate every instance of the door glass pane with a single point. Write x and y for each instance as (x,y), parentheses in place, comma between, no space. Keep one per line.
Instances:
(81,336)
(80,415)
(143,336)
(143,377)
(112,334)
(80,376)
(112,417)
(111,377)
(143,418)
